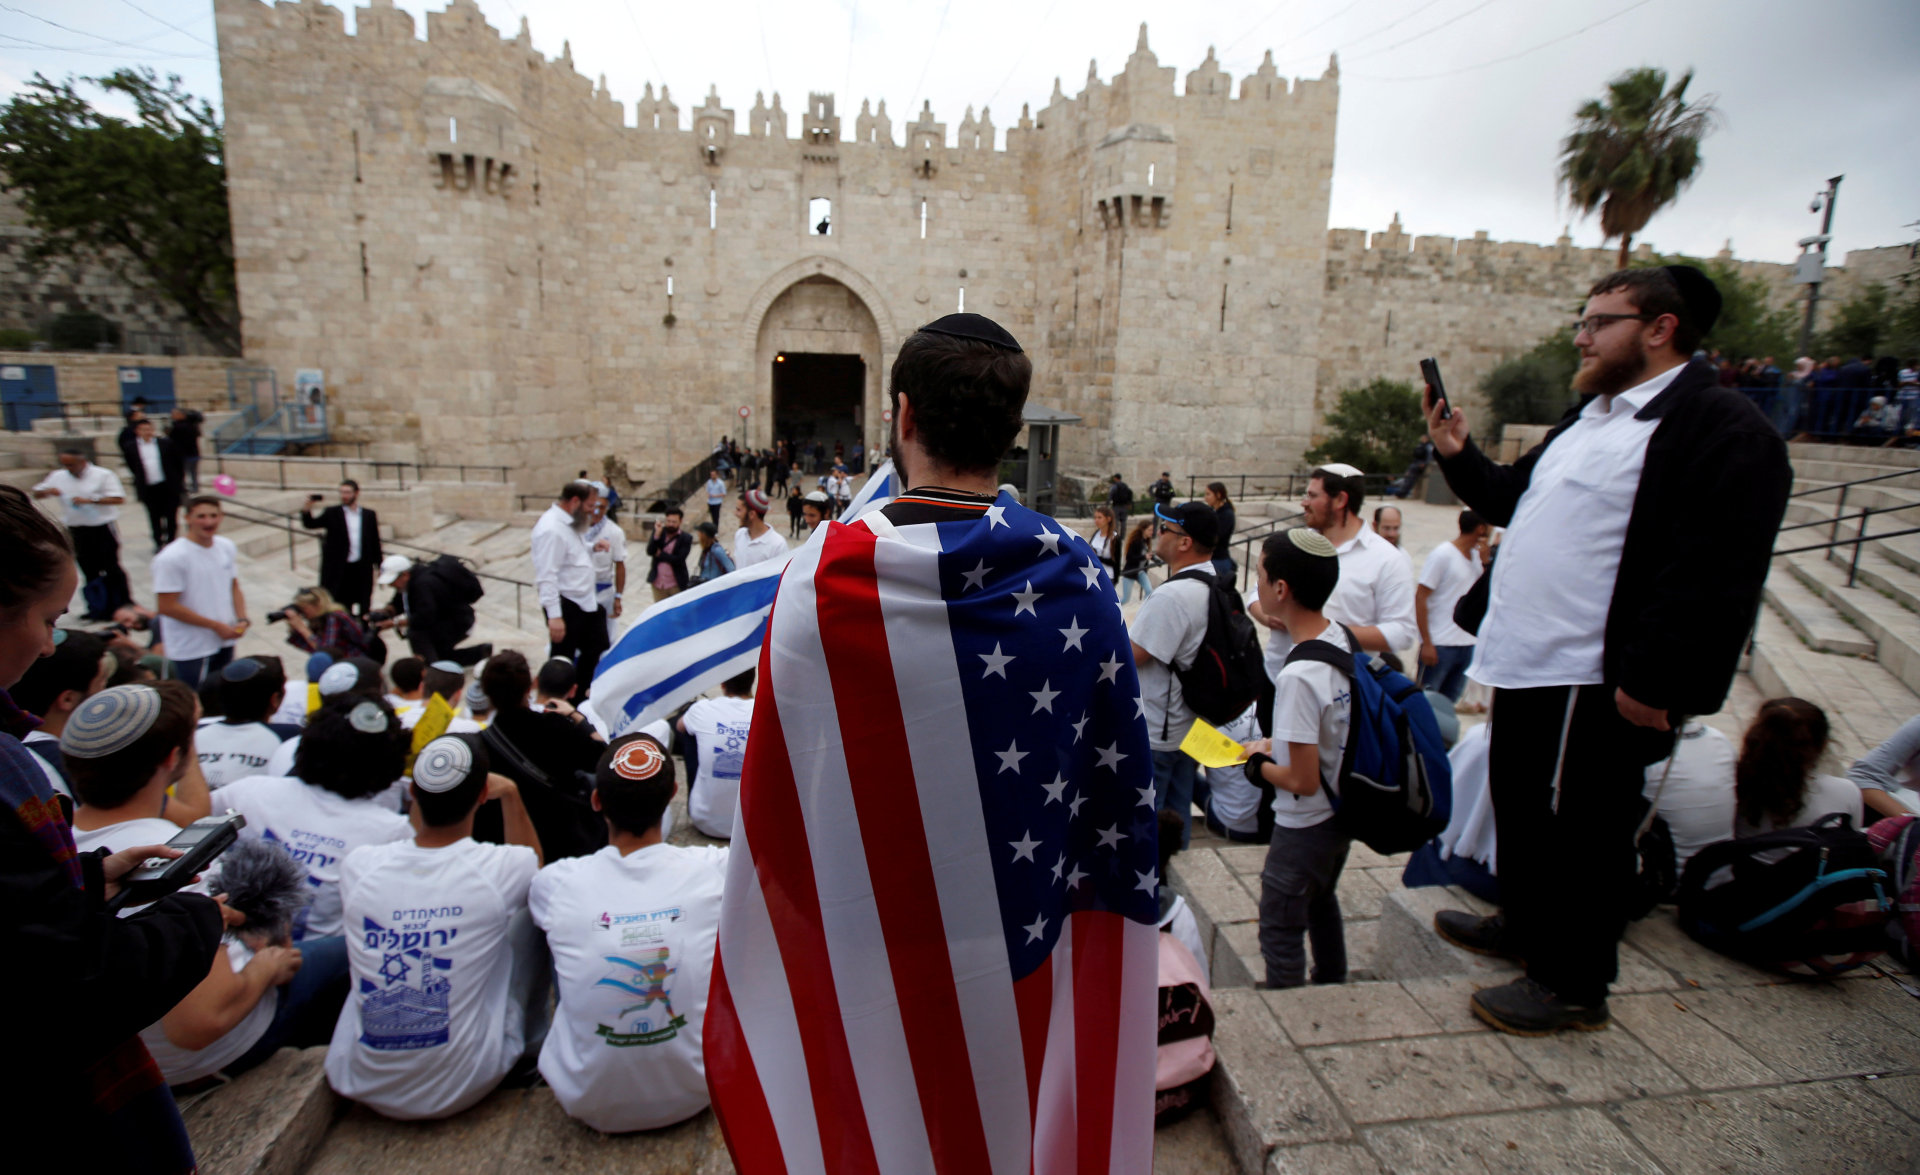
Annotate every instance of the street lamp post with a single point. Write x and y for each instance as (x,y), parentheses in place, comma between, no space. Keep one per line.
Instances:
(1818,252)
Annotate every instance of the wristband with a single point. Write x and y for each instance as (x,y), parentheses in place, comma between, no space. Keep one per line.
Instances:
(1251,769)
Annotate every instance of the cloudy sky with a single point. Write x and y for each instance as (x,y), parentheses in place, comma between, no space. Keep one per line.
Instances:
(1451,111)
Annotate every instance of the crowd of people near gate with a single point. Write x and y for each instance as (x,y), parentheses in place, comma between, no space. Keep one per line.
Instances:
(453,874)
(1853,399)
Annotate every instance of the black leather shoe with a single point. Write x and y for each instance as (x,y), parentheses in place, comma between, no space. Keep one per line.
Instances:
(1527,1008)
(1470,932)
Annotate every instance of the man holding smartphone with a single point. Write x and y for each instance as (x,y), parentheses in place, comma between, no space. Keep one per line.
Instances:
(1612,616)
(349,549)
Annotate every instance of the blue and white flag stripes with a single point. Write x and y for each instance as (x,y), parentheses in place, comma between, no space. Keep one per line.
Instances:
(686,644)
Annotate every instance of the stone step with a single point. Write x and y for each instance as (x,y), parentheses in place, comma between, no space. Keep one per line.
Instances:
(463,532)
(1893,629)
(1810,616)
(1898,581)
(1816,471)
(268,1122)
(1864,703)
(12,460)
(1855,456)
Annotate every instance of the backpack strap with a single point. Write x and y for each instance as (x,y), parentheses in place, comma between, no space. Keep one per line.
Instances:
(1326,652)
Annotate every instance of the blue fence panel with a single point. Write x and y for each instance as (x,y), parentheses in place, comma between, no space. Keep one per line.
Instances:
(28,392)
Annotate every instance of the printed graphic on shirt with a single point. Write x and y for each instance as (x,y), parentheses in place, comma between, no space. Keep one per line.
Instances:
(407,1009)
(728,746)
(640,978)
(311,849)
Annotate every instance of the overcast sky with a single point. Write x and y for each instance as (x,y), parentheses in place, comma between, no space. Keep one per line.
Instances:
(1451,111)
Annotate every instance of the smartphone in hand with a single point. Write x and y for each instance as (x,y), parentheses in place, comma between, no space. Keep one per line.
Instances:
(1430,371)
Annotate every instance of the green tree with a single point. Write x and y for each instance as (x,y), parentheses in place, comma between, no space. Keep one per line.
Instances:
(1534,387)
(1375,428)
(146,198)
(1631,152)
(1862,325)
(1750,326)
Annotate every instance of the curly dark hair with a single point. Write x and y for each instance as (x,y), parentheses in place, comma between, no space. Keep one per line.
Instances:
(967,396)
(345,760)
(1777,754)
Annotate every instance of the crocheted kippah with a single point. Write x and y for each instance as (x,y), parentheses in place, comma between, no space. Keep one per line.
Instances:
(240,670)
(1312,542)
(476,698)
(338,679)
(368,718)
(640,759)
(447,666)
(110,721)
(443,764)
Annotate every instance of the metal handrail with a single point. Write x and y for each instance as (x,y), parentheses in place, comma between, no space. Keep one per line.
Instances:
(1851,514)
(1844,485)
(400,468)
(279,521)
(1372,481)
(1259,531)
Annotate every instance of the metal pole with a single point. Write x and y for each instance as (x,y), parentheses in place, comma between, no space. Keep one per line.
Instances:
(1860,540)
(1833,534)
(1813,288)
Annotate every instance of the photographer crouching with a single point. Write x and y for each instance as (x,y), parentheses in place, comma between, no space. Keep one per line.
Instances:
(316,621)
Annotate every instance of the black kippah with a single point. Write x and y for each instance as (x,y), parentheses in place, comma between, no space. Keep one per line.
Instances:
(977,327)
(1699,293)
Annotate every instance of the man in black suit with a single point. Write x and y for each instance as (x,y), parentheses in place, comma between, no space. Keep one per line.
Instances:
(157,479)
(350,549)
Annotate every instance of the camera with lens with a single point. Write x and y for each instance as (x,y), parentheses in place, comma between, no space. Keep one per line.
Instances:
(279,614)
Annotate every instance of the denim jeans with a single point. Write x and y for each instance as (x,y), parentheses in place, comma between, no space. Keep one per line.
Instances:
(1177,786)
(309,1003)
(200,668)
(1299,900)
(1449,674)
(1126,585)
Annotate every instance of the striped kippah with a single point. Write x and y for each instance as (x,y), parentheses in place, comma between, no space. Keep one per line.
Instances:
(443,764)
(1312,542)
(110,721)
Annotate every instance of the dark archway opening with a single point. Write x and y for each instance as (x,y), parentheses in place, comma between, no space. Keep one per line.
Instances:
(817,400)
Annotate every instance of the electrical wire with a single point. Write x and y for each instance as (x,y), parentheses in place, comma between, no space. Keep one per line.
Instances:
(146,46)
(1513,56)
(931,50)
(176,28)
(644,47)
(151,55)
(1027,43)
(1451,20)
(1255,27)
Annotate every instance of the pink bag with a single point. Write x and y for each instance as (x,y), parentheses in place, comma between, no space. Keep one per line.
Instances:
(1185,1056)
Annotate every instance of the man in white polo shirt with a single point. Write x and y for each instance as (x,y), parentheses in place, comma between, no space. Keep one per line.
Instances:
(607,545)
(755,541)
(1375,594)
(196,582)
(1450,570)
(91,496)
(563,575)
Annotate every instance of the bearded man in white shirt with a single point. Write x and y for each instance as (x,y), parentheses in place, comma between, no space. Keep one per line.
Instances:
(563,576)
(755,541)
(91,496)
(1612,616)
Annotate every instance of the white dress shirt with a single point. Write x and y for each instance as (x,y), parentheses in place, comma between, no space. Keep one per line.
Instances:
(95,482)
(562,564)
(149,450)
(1375,591)
(1553,582)
(352,514)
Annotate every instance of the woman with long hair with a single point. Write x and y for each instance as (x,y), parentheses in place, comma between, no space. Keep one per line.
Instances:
(1105,540)
(83,1079)
(1774,782)
(1133,562)
(317,621)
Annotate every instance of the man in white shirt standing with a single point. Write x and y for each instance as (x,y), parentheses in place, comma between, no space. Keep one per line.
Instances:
(1375,594)
(1612,616)
(91,496)
(716,495)
(1167,633)
(755,541)
(607,543)
(196,584)
(563,575)
(632,929)
(1450,570)
(719,728)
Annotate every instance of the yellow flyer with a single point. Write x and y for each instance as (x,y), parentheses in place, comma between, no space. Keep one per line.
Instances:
(1211,748)
(434,720)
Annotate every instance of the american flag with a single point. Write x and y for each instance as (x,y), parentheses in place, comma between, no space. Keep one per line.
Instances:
(938,947)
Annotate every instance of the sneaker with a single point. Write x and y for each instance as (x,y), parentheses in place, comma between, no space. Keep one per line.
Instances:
(1527,1008)
(1470,932)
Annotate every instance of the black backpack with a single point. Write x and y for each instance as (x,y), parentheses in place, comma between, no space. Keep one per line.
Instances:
(1227,673)
(1813,901)
(459,579)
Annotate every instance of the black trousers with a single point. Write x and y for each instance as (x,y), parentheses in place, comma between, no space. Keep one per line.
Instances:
(585,640)
(1567,773)
(97,550)
(350,584)
(163,513)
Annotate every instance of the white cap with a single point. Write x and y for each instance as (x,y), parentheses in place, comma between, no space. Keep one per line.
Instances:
(392,568)
(338,679)
(1341,469)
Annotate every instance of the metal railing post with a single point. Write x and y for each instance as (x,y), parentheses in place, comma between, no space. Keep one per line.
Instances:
(293,564)
(1839,509)
(517,622)
(1859,541)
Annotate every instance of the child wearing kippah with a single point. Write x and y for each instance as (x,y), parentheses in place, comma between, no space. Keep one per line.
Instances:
(1312,710)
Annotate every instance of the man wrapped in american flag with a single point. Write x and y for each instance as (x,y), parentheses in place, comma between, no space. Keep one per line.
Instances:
(937,947)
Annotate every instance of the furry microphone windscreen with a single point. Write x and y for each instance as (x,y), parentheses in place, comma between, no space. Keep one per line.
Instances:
(265,885)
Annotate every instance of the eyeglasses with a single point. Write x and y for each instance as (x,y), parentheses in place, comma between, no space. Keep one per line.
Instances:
(1593,324)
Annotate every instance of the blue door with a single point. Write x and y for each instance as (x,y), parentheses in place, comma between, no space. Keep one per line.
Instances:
(28,392)
(154,384)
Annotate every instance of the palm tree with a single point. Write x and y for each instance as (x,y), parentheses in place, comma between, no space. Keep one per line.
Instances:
(1631,152)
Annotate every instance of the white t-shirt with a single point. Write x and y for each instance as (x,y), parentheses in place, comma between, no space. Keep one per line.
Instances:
(94,482)
(230,751)
(747,551)
(1312,703)
(719,727)
(603,561)
(1447,575)
(147,830)
(293,709)
(55,780)
(281,763)
(429,1027)
(1235,801)
(1826,794)
(204,578)
(318,829)
(632,940)
(1697,801)
(1170,625)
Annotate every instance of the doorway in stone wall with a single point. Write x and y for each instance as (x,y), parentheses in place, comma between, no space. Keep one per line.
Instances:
(817,399)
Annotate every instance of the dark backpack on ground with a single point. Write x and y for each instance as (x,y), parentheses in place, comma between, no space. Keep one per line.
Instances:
(1812,901)
(1897,840)
(1396,783)
(1226,673)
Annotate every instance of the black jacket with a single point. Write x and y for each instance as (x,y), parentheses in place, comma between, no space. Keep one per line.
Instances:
(669,550)
(172,469)
(185,434)
(1698,544)
(437,618)
(333,544)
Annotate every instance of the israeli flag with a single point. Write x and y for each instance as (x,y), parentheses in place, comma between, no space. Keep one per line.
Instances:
(689,643)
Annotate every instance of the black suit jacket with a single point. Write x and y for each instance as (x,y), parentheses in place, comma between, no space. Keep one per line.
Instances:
(172,469)
(333,544)
(1698,544)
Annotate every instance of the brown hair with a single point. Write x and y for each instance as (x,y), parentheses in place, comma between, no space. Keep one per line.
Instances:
(111,780)
(1653,293)
(33,550)
(967,397)
(1777,754)
(507,680)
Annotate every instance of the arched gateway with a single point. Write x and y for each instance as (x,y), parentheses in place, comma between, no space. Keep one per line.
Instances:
(820,353)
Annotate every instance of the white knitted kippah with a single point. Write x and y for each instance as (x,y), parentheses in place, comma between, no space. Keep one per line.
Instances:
(1312,542)
(110,721)
(443,764)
